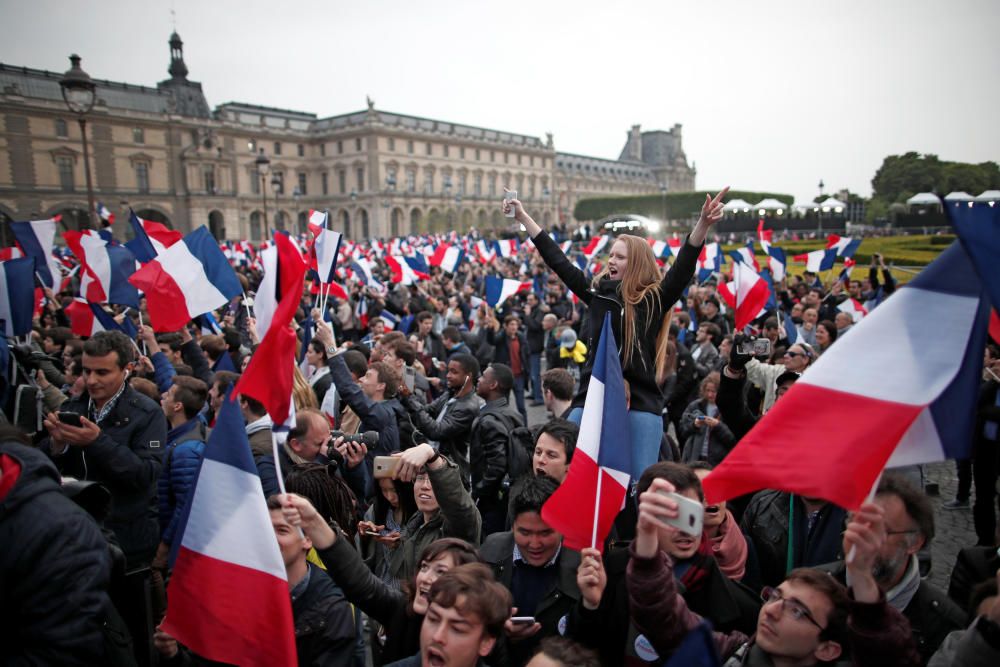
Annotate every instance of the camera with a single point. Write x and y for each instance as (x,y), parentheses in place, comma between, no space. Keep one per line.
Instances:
(368,438)
(757,347)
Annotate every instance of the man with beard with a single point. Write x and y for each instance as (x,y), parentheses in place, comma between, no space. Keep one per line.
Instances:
(909,523)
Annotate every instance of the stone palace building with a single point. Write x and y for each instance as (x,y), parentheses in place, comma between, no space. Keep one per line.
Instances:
(164,152)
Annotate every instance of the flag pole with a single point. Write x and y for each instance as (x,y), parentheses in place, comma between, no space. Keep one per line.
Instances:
(145,352)
(871,496)
(597,507)
(246,305)
(277,470)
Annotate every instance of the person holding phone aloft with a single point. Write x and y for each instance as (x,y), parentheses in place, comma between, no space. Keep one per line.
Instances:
(631,288)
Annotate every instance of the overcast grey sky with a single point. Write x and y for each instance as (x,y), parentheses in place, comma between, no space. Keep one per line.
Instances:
(773,94)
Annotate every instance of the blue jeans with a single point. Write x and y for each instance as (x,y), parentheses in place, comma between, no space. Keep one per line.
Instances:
(519,396)
(647,433)
(536,377)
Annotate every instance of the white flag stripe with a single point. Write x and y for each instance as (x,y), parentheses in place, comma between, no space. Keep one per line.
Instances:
(189,274)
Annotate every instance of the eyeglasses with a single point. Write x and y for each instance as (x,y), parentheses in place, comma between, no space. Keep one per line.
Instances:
(796,354)
(421,478)
(795,609)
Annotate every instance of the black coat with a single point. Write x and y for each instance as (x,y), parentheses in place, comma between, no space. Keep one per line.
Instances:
(608,629)
(973,565)
(500,341)
(54,570)
(125,458)
(452,432)
(606,299)
(534,331)
(324,623)
(488,452)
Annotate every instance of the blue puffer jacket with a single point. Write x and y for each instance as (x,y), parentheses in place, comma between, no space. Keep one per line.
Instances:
(181,461)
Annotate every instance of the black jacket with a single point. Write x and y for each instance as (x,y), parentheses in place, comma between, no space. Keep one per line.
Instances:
(608,629)
(732,402)
(388,606)
(606,299)
(501,343)
(375,416)
(125,458)
(489,452)
(973,565)
(535,333)
(324,623)
(54,570)
(558,602)
(453,431)
(932,615)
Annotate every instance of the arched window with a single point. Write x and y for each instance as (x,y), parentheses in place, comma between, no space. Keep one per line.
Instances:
(345,222)
(303,222)
(365,231)
(394,224)
(255,224)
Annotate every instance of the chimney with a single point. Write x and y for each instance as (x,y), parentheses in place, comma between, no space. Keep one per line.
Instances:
(635,143)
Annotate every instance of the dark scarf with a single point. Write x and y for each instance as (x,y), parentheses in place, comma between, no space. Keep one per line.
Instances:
(698,567)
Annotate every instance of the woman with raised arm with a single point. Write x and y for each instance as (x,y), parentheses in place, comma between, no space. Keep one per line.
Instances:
(640,300)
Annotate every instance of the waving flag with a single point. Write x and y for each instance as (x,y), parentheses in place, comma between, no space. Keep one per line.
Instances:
(585,505)
(151,238)
(777,262)
(978,227)
(709,261)
(564,246)
(747,294)
(105,214)
(37,240)
(268,377)
(746,256)
(675,246)
(845,246)
(448,257)
(17,296)
(105,269)
(499,290)
(845,273)
(10,253)
(595,246)
(660,248)
(875,405)
(818,260)
(326,245)
(187,279)
(487,253)
(854,308)
(406,270)
(86,319)
(390,320)
(229,599)
(764,235)
(506,247)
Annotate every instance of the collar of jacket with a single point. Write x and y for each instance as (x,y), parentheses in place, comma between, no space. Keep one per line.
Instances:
(178,432)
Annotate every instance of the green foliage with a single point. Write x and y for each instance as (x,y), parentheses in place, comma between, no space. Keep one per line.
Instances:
(899,250)
(679,205)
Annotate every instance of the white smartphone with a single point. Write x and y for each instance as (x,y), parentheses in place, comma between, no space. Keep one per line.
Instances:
(507,197)
(526,620)
(690,515)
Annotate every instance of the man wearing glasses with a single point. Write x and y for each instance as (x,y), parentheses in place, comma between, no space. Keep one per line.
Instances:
(808,619)
(796,359)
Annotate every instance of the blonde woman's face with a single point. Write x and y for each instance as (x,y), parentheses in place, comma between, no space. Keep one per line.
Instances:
(618,260)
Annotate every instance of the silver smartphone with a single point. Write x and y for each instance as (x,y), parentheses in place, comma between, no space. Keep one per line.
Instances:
(508,197)
(690,515)
(409,377)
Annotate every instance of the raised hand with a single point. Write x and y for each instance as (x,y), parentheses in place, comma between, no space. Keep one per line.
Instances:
(865,536)
(711,213)
(591,578)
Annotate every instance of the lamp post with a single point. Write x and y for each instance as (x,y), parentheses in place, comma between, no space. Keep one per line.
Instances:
(79,93)
(663,198)
(277,183)
(263,166)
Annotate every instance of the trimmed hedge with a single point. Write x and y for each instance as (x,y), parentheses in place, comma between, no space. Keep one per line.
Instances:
(679,205)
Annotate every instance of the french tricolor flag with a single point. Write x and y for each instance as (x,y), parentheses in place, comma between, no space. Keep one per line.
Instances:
(407,270)
(17,296)
(10,253)
(499,290)
(86,319)
(487,253)
(818,260)
(777,261)
(448,257)
(747,294)
(865,406)
(187,279)
(151,238)
(565,246)
(844,245)
(229,599)
(326,245)
(660,248)
(845,273)
(854,308)
(390,320)
(595,246)
(587,502)
(37,239)
(746,256)
(710,261)
(506,247)
(764,235)
(105,269)
(105,214)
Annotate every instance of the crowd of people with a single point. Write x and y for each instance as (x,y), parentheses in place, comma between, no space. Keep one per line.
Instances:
(447,559)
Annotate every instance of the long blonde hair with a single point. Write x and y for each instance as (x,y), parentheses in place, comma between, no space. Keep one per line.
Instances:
(302,394)
(640,284)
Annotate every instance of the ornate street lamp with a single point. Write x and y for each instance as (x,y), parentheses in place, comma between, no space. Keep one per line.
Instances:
(79,93)
(263,167)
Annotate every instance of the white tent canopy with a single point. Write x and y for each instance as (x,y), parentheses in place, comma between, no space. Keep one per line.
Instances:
(832,204)
(770,204)
(989,195)
(737,205)
(924,199)
(959,196)
(804,206)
